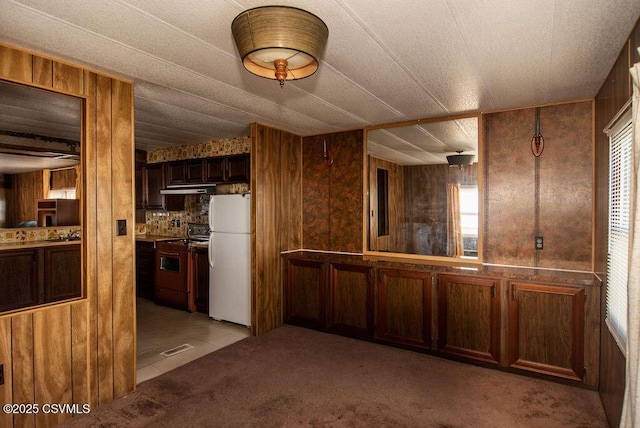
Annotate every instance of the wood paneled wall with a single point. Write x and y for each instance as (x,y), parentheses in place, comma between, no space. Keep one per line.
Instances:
(564,190)
(26,189)
(332,201)
(82,351)
(276,219)
(614,93)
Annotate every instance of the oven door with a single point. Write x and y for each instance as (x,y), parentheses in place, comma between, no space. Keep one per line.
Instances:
(171,269)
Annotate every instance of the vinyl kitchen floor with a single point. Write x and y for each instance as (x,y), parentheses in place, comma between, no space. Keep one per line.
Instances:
(162,329)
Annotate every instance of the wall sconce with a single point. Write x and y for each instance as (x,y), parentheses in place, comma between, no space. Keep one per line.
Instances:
(279,42)
(537,142)
(326,155)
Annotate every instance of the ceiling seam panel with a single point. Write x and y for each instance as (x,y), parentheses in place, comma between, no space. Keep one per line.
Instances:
(401,65)
(466,44)
(163,61)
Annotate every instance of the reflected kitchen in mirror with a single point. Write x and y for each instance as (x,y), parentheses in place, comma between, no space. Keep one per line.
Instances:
(423,189)
(40,140)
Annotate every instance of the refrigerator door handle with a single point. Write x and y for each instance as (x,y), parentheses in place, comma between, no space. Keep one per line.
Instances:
(211,250)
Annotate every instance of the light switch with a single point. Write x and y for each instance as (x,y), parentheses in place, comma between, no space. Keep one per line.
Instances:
(122,227)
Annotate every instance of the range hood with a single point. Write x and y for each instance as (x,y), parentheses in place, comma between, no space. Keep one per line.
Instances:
(189,189)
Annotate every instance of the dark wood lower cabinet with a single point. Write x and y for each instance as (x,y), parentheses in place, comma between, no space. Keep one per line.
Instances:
(200,278)
(350,308)
(306,293)
(469,317)
(404,307)
(145,269)
(546,329)
(62,273)
(20,284)
(34,276)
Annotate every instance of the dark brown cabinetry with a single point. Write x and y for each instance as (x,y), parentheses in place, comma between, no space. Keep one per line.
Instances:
(546,329)
(306,293)
(175,173)
(238,168)
(20,284)
(350,308)
(469,317)
(34,276)
(148,182)
(62,273)
(215,170)
(404,307)
(200,278)
(145,263)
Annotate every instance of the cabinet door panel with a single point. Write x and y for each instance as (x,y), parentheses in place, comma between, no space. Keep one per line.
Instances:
(19,286)
(153,184)
(62,273)
(215,170)
(469,317)
(201,279)
(306,293)
(546,329)
(404,307)
(175,173)
(238,168)
(195,171)
(351,299)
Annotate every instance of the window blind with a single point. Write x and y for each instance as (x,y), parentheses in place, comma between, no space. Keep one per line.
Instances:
(620,164)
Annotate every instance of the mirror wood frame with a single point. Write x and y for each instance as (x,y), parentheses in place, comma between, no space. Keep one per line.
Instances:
(366,208)
(82,124)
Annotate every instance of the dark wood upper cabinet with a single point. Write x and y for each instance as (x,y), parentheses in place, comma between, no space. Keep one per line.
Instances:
(215,170)
(154,183)
(238,168)
(175,173)
(195,171)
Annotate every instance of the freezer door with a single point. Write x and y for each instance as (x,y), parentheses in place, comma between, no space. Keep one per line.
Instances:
(230,213)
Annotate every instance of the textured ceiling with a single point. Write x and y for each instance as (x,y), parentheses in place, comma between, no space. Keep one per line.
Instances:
(384,62)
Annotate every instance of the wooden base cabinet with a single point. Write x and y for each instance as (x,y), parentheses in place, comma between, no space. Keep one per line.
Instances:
(351,300)
(200,278)
(404,307)
(306,293)
(546,329)
(469,317)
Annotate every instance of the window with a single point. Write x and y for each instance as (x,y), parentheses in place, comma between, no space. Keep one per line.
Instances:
(469,219)
(620,158)
(62,194)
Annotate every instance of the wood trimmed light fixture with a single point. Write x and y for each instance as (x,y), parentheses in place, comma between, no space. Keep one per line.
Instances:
(279,42)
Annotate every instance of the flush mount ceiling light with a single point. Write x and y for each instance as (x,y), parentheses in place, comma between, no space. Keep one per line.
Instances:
(460,159)
(279,42)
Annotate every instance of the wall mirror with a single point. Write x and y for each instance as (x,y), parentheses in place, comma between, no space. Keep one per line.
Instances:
(40,141)
(417,204)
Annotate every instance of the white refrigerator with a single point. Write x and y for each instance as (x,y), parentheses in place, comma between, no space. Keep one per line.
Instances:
(230,258)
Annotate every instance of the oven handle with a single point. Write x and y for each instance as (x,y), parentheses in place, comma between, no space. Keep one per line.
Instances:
(167,253)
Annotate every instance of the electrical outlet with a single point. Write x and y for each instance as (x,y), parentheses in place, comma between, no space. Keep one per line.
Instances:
(1,374)
(539,242)
(122,227)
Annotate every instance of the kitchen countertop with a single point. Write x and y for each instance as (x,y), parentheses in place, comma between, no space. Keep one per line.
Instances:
(34,244)
(155,238)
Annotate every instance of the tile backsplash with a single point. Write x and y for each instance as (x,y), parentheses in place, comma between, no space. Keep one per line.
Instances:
(36,233)
(174,223)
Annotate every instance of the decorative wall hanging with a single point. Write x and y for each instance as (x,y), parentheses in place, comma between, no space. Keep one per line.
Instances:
(537,142)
